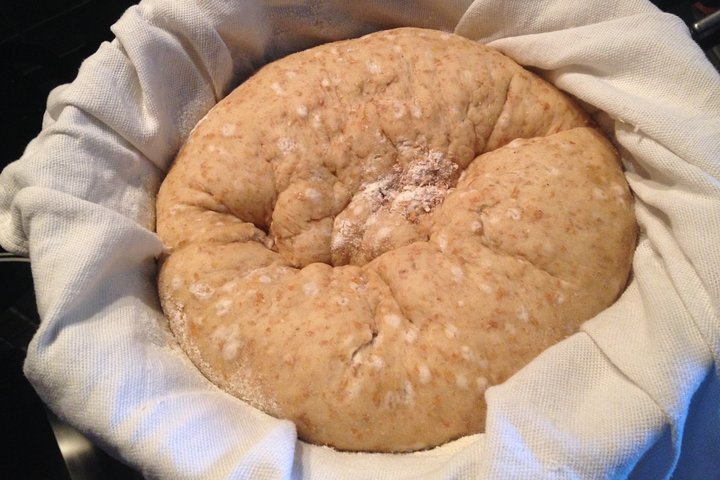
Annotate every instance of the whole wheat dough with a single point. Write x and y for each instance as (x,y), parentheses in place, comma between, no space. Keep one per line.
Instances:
(366,235)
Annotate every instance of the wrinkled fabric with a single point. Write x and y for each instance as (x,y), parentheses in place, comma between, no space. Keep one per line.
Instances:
(634,394)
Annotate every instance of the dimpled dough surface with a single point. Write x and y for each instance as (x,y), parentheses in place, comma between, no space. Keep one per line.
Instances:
(366,235)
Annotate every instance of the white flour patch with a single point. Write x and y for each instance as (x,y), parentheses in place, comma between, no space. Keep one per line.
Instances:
(457,273)
(393,320)
(302,111)
(231,348)
(461,380)
(398,109)
(223,306)
(513,213)
(383,234)
(227,339)
(451,331)
(176,283)
(353,389)
(310,289)
(349,341)
(442,242)
(357,359)
(277,88)
(219,334)
(510,328)
(376,362)
(523,314)
(487,288)
(415,110)
(201,291)
(407,394)
(559,298)
(390,400)
(219,150)
(492,219)
(373,67)
(397,49)
(358,287)
(316,121)
(285,145)
(347,232)
(411,335)
(312,194)
(424,374)
(411,190)
(265,279)
(228,129)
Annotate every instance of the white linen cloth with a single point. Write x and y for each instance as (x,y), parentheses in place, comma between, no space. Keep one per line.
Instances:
(635,394)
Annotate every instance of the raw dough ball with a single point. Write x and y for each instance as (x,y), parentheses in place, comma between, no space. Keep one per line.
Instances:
(366,235)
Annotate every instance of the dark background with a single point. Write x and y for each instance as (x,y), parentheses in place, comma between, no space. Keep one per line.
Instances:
(42,44)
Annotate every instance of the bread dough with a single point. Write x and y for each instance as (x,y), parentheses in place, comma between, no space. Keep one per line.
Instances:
(366,235)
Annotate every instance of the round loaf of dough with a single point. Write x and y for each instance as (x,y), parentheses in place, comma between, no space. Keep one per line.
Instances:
(366,235)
